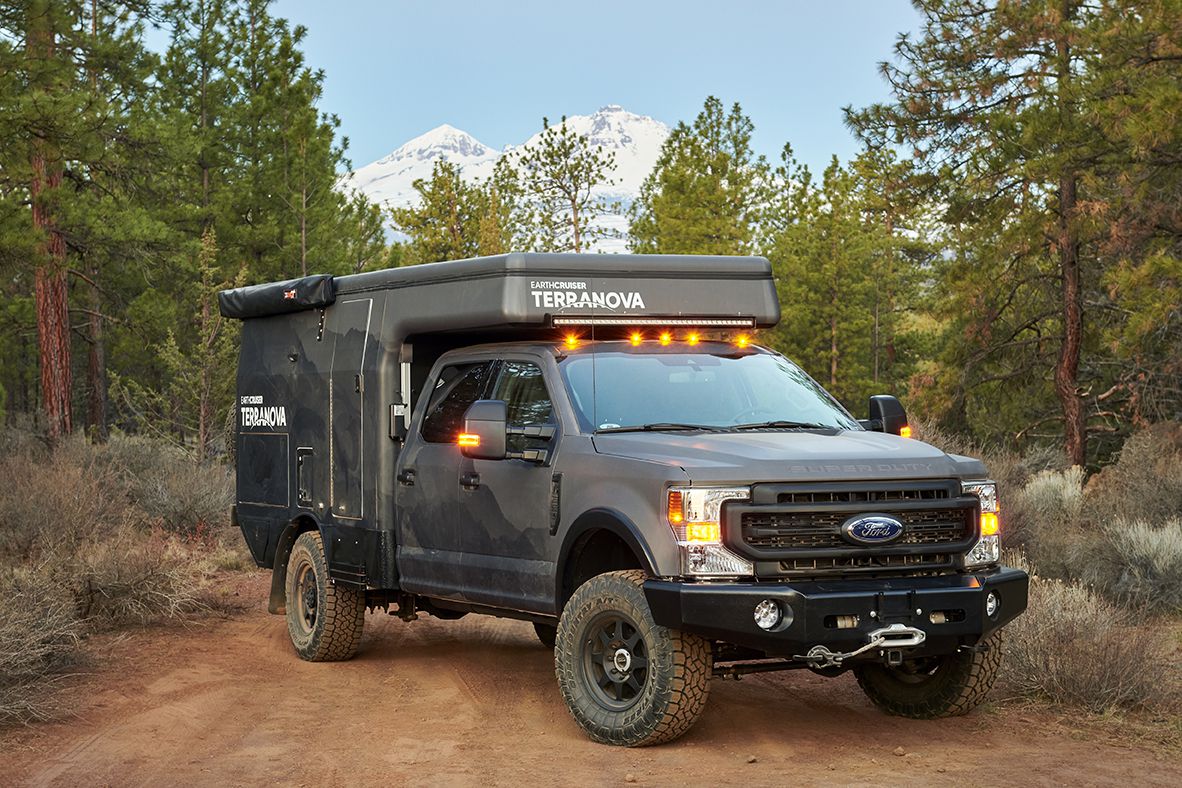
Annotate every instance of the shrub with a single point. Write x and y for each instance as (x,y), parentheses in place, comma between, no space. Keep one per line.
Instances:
(1145,483)
(168,487)
(39,635)
(133,577)
(1046,518)
(1145,565)
(57,501)
(96,536)
(1073,647)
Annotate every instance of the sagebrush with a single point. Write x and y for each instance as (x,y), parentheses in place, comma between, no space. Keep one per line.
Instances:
(99,536)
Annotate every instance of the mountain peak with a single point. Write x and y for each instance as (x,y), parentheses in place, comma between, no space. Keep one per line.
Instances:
(634,140)
(444,141)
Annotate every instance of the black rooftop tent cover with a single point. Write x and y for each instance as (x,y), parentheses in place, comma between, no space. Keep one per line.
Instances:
(278,298)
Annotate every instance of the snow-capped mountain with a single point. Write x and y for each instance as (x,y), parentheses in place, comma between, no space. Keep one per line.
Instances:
(389,181)
(634,139)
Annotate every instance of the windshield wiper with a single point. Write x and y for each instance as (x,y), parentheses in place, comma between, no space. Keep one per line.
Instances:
(780,424)
(660,426)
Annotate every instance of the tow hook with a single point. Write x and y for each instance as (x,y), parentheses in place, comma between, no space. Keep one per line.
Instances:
(892,638)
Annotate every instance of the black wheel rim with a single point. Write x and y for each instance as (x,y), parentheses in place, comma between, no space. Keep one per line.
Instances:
(306,597)
(615,661)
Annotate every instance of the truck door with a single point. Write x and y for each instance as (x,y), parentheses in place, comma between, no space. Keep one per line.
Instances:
(504,507)
(428,490)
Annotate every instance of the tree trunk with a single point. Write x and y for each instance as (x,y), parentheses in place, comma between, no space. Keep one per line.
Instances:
(204,415)
(1075,438)
(1067,368)
(51,289)
(574,218)
(96,368)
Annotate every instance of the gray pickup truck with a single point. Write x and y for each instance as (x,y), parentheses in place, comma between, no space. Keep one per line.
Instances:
(597,445)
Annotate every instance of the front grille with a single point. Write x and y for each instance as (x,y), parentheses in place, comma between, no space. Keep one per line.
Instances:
(933,562)
(820,529)
(874,496)
(796,529)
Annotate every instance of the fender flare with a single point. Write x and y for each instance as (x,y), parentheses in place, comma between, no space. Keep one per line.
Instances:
(601,519)
(277,603)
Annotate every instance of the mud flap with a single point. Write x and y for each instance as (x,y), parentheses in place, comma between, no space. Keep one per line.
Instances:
(277,604)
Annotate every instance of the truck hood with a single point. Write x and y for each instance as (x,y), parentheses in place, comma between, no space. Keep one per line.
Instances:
(748,457)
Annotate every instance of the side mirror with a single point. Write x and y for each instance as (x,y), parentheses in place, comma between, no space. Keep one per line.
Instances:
(887,415)
(485,428)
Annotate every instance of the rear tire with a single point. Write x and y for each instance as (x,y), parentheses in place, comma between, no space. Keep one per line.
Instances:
(626,680)
(932,687)
(324,619)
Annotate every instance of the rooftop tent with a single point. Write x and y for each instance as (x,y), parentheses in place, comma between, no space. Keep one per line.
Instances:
(542,290)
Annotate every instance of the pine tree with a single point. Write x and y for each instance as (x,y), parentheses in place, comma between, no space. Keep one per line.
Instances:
(824,263)
(708,191)
(558,177)
(1138,67)
(444,224)
(75,145)
(193,405)
(989,97)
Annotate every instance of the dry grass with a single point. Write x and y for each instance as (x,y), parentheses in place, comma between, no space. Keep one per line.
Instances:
(1144,569)
(99,537)
(1073,647)
(39,637)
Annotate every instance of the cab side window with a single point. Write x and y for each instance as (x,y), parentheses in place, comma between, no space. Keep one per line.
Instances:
(456,388)
(522,387)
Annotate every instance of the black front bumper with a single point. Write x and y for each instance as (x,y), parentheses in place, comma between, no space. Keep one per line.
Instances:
(725,611)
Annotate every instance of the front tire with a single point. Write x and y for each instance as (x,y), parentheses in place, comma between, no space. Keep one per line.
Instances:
(324,619)
(626,680)
(932,687)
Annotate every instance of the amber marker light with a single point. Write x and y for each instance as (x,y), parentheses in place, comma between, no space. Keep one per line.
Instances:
(905,431)
(990,524)
(676,508)
(571,341)
(666,337)
(742,340)
(636,338)
(468,440)
(693,339)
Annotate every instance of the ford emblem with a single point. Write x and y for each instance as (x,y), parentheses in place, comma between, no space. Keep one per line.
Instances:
(872,529)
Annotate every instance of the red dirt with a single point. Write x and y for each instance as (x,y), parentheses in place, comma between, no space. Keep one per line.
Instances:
(474,702)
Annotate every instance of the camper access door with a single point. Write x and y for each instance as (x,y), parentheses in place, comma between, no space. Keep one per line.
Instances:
(348,327)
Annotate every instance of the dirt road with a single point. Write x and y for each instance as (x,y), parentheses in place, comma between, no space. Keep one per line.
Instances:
(474,702)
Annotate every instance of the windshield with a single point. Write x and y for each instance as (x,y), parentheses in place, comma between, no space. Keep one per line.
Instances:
(709,387)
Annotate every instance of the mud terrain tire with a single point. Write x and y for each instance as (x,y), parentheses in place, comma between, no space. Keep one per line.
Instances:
(946,686)
(324,619)
(626,680)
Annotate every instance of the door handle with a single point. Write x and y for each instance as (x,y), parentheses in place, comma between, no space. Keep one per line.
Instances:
(470,481)
(407,477)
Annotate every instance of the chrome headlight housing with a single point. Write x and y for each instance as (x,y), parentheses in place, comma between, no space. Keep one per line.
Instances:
(987,551)
(695,515)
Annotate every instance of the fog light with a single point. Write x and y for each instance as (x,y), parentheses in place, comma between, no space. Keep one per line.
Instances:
(768,614)
(992,603)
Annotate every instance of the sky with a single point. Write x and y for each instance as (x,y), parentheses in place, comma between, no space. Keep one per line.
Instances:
(398,68)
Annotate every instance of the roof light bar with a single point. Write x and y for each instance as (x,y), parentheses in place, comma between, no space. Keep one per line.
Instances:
(729,322)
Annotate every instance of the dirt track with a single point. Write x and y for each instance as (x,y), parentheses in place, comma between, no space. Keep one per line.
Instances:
(474,702)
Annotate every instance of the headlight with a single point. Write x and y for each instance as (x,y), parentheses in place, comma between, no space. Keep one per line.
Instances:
(694,514)
(987,550)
